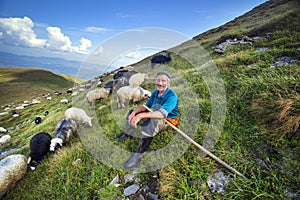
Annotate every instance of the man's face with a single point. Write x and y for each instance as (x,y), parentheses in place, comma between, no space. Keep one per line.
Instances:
(162,82)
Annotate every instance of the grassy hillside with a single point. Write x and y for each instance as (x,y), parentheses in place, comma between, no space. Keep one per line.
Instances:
(23,84)
(266,18)
(260,137)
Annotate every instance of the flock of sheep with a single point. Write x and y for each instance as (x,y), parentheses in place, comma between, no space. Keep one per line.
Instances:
(126,83)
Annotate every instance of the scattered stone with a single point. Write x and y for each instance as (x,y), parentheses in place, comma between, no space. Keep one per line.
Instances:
(261,49)
(153,196)
(285,60)
(131,190)
(114,181)
(4,153)
(221,48)
(77,161)
(218,181)
(129,178)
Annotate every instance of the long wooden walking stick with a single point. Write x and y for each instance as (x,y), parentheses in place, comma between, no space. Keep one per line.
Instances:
(202,148)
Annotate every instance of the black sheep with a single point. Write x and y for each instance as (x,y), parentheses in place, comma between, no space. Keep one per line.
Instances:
(160,59)
(39,147)
(38,120)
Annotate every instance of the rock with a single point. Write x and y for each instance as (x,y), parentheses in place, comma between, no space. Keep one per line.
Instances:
(129,178)
(114,181)
(131,190)
(153,196)
(285,60)
(261,49)
(217,182)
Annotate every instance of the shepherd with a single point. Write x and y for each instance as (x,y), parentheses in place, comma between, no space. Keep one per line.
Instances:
(164,103)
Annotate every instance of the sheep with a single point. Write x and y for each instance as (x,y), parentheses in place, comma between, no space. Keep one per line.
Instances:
(137,79)
(100,93)
(3,113)
(38,120)
(46,113)
(49,98)
(128,93)
(79,115)
(65,101)
(19,107)
(3,130)
(39,147)
(64,131)
(12,169)
(4,139)
(74,94)
(35,101)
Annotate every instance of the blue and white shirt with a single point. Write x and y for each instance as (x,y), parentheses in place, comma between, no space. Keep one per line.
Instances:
(167,103)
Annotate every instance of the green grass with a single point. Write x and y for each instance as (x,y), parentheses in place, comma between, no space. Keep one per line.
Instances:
(261,126)
(26,84)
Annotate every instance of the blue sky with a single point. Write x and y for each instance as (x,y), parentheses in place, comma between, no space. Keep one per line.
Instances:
(73,29)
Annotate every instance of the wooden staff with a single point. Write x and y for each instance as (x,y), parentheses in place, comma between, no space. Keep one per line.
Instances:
(202,148)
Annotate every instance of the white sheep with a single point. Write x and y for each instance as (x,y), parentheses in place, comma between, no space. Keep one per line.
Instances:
(35,101)
(65,101)
(49,98)
(3,113)
(4,139)
(74,94)
(137,79)
(128,93)
(12,169)
(79,115)
(19,107)
(100,93)
(3,130)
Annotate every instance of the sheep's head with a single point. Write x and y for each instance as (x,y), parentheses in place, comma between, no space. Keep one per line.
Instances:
(88,122)
(32,163)
(147,94)
(56,143)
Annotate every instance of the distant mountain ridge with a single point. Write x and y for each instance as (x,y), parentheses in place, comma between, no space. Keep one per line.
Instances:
(56,65)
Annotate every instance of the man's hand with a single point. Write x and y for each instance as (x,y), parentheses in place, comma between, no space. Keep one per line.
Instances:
(133,122)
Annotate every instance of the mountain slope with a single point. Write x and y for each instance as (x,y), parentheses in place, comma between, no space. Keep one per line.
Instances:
(268,17)
(17,84)
(260,137)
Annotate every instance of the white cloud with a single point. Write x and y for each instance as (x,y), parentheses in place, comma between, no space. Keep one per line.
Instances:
(95,29)
(85,44)
(133,55)
(19,32)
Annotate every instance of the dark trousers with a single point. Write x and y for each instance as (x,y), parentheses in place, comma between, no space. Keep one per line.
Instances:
(150,128)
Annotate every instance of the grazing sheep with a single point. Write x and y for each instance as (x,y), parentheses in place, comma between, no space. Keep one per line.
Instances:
(46,113)
(3,130)
(34,101)
(19,107)
(100,93)
(64,131)
(137,79)
(3,113)
(160,59)
(39,147)
(128,93)
(4,139)
(49,98)
(74,94)
(38,120)
(65,101)
(79,115)
(12,169)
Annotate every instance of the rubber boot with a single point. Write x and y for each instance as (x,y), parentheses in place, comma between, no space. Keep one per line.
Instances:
(135,159)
